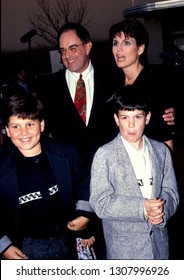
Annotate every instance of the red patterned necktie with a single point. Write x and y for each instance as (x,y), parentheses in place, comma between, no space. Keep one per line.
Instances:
(80,98)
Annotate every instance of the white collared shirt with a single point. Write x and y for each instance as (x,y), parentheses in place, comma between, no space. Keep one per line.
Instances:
(140,160)
(88,77)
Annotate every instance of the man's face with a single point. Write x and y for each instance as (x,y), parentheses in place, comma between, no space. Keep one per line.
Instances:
(25,134)
(21,76)
(74,54)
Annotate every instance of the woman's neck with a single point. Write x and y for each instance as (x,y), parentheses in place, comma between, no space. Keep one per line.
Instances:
(132,73)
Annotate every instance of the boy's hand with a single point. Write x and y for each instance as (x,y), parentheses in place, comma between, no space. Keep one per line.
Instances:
(154,210)
(88,242)
(78,223)
(14,253)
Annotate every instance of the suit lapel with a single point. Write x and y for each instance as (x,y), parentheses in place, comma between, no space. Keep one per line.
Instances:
(156,171)
(98,97)
(67,102)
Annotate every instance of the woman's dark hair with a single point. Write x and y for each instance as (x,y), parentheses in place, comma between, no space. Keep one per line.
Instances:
(131,28)
(21,105)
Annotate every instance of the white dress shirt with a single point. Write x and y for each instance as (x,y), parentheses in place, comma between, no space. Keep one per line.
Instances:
(140,160)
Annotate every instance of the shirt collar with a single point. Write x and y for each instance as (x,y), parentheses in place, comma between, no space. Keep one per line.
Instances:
(132,149)
(85,74)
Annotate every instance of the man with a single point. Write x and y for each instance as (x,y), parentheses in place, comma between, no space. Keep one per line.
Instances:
(22,84)
(74,47)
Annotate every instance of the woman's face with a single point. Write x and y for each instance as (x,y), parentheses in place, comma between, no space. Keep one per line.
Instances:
(125,50)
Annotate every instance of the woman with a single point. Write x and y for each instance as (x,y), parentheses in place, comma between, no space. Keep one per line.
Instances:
(130,41)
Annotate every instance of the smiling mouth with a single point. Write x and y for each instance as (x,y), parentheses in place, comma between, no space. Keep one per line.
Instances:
(25,140)
(71,60)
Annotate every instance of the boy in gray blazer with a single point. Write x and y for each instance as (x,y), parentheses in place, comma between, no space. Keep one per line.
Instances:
(133,184)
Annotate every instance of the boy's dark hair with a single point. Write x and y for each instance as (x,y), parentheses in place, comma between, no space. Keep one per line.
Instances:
(21,105)
(131,28)
(80,30)
(129,98)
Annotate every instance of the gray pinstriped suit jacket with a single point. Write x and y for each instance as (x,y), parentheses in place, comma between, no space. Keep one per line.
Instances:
(117,200)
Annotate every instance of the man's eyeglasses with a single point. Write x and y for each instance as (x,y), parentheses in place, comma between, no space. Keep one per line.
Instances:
(72,49)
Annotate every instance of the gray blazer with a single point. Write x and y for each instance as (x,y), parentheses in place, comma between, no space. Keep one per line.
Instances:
(116,198)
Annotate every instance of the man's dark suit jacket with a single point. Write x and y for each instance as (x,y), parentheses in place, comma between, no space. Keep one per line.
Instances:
(64,122)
